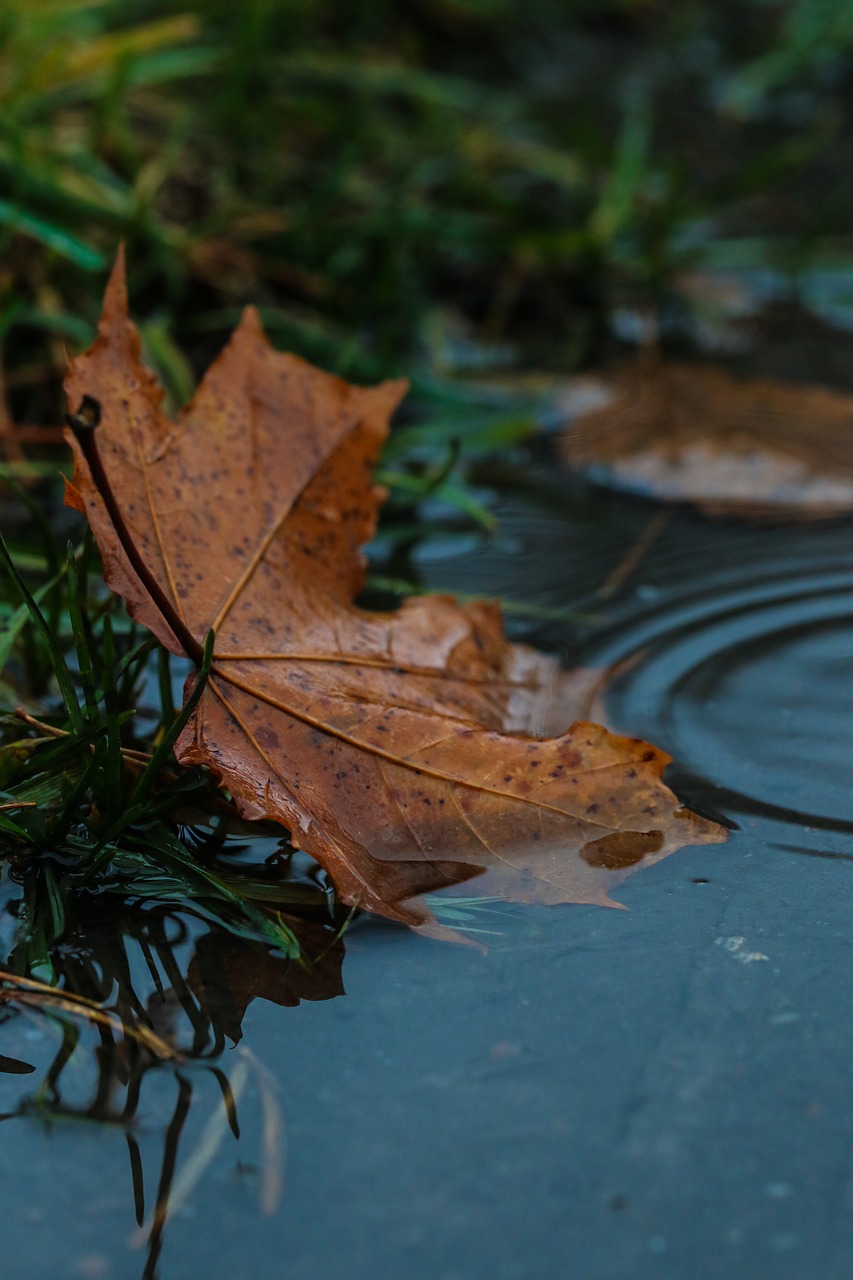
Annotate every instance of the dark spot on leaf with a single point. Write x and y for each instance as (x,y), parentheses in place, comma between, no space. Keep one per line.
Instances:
(621,849)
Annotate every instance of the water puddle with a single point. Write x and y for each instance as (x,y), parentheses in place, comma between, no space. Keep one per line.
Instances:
(549,1107)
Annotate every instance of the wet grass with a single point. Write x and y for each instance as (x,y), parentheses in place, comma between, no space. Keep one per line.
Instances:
(91,804)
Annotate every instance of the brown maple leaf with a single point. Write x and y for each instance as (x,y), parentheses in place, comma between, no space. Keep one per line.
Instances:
(397,748)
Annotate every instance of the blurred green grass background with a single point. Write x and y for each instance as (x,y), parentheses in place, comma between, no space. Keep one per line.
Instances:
(436,187)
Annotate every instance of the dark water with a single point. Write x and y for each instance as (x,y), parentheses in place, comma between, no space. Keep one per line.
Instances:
(658,1092)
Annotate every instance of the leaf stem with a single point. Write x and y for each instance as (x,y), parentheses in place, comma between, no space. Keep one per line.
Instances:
(83,423)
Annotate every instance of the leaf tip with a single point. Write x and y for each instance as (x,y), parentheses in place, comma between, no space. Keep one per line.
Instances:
(115,295)
(251,323)
(394,392)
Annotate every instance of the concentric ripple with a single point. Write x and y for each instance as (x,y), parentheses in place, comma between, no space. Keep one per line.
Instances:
(745,674)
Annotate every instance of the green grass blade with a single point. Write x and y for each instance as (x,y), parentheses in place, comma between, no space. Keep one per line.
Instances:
(15,624)
(81,640)
(112,763)
(199,877)
(16,219)
(57,659)
(6,824)
(71,809)
(55,904)
(163,753)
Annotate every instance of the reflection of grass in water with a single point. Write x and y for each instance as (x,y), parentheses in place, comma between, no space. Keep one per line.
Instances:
(40,995)
(158,991)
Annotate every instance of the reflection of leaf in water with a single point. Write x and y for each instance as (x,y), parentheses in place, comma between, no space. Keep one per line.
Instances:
(226,976)
(733,446)
(150,974)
